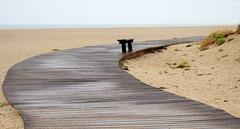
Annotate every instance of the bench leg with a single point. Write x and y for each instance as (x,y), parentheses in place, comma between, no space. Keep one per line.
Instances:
(124,48)
(130,47)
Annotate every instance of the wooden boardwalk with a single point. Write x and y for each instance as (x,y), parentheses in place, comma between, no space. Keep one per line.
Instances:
(84,88)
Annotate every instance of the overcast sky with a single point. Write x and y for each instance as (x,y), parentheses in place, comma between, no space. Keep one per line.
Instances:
(119,12)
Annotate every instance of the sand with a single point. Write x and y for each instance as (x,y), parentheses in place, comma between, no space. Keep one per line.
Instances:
(211,76)
(17,45)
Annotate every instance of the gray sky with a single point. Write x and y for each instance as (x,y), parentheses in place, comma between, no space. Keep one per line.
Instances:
(119,12)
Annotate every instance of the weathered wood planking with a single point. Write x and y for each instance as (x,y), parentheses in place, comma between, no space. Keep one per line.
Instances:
(85,88)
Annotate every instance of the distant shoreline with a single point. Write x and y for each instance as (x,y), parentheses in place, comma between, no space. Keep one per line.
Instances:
(114,26)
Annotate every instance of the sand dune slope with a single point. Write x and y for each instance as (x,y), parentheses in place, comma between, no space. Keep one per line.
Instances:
(211,76)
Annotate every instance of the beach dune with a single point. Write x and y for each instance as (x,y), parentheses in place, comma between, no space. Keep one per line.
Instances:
(209,75)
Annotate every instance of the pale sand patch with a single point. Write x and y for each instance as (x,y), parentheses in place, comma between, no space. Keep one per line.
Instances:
(212,78)
(17,45)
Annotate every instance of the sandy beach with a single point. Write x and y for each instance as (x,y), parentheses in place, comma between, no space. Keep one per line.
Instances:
(17,45)
(209,76)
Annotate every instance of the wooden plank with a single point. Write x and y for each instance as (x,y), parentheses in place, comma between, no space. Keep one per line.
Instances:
(85,88)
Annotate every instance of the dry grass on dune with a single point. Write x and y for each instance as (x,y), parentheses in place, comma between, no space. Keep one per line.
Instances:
(217,38)
(238,29)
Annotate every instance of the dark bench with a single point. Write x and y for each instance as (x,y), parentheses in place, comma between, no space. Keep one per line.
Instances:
(123,42)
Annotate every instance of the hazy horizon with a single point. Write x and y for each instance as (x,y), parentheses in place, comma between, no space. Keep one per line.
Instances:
(110,14)
(98,26)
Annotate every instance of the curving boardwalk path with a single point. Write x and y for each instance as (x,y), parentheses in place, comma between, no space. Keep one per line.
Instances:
(85,88)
